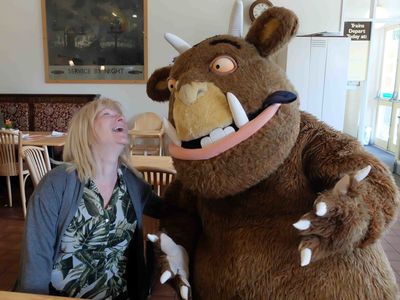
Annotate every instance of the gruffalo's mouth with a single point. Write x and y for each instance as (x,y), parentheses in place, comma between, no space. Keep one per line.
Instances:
(220,140)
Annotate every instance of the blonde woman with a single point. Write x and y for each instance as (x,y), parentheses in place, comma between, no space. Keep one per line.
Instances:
(83,215)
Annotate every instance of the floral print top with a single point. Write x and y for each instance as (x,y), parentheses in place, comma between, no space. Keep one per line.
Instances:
(93,249)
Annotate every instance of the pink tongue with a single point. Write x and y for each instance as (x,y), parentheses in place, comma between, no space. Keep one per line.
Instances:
(226,143)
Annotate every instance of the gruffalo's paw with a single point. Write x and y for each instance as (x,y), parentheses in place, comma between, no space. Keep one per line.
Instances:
(338,222)
(173,263)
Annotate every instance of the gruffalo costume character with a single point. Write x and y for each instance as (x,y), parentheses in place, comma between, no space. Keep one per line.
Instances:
(277,205)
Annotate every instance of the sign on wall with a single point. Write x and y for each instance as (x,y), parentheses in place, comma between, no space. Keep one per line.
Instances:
(358,31)
(95,41)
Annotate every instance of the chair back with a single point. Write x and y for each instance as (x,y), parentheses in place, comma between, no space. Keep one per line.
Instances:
(158,178)
(10,142)
(147,134)
(147,121)
(38,162)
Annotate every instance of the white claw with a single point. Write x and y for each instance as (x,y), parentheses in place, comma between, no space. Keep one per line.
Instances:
(321,209)
(165,276)
(362,173)
(238,113)
(171,132)
(184,290)
(302,224)
(152,238)
(305,256)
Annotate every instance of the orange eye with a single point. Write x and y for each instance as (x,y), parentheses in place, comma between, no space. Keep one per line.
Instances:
(223,65)
(171,84)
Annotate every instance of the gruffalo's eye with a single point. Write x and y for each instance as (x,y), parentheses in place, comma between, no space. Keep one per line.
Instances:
(223,65)
(171,84)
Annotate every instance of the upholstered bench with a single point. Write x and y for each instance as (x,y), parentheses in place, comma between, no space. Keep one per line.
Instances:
(42,112)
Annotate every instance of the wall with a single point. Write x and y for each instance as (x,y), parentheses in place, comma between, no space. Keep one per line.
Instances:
(21,49)
(354,94)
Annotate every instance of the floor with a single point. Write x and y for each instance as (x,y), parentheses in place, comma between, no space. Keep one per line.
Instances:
(391,240)
(12,222)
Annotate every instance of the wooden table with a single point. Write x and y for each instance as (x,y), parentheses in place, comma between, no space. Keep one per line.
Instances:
(153,161)
(40,138)
(44,139)
(5,295)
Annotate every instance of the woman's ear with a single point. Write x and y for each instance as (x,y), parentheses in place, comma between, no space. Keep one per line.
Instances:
(272,30)
(157,85)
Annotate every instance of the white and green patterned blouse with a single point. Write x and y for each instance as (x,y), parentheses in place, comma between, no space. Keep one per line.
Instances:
(93,249)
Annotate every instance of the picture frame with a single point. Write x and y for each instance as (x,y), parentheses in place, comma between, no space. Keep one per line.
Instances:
(91,41)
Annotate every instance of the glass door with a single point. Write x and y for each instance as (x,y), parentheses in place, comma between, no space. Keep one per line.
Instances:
(388,112)
(394,129)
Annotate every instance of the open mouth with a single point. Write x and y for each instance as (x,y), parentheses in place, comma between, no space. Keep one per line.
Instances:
(221,139)
(118,129)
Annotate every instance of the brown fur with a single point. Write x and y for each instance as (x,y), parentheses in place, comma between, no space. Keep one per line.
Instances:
(241,204)
(157,87)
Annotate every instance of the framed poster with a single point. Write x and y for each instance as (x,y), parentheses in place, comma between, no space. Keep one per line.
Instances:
(95,41)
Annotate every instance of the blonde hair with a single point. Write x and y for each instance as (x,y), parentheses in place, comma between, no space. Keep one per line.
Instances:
(77,151)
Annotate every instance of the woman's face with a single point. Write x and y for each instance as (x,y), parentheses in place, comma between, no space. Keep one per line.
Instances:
(110,129)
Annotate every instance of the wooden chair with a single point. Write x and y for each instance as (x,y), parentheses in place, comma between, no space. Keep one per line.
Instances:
(38,161)
(147,135)
(11,163)
(159,179)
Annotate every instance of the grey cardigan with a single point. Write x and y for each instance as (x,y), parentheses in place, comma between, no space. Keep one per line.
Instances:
(51,209)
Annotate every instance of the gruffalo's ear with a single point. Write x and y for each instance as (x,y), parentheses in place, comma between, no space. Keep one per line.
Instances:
(157,85)
(272,30)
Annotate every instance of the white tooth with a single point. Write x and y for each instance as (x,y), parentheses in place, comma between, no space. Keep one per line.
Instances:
(205,141)
(228,130)
(171,132)
(238,113)
(302,224)
(305,256)
(217,134)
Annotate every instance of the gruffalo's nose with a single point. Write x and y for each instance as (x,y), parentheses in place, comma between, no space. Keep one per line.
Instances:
(191,92)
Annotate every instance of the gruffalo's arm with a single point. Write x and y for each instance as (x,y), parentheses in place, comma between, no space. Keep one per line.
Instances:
(358,198)
(175,243)
(183,225)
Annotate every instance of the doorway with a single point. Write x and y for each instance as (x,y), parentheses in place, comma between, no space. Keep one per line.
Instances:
(388,108)
(373,103)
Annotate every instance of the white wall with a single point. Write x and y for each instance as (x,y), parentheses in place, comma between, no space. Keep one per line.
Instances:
(21,48)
